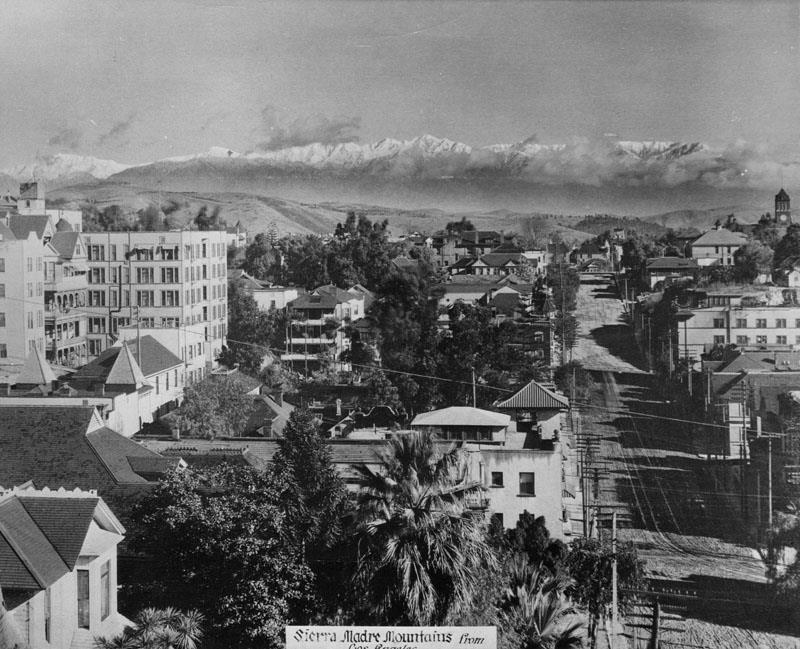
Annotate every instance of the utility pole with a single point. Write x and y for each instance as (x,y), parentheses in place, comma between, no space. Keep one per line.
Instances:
(474,392)
(614,602)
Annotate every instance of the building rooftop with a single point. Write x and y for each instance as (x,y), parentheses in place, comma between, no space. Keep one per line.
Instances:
(721,237)
(462,416)
(670,264)
(21,225)
(51,445)
(120,365)
(535,397)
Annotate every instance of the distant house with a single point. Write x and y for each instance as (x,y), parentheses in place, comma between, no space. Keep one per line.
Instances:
(269,417)
(58,568)
(589,250)
(789,272)
(668,269)
(717,246)
(266,295)
(236,235)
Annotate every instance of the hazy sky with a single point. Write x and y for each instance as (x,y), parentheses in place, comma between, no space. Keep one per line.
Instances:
(139,80)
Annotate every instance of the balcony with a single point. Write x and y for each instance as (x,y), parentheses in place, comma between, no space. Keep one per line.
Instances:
(54,313)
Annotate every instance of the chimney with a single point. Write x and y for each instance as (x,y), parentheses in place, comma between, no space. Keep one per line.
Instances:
(338,407)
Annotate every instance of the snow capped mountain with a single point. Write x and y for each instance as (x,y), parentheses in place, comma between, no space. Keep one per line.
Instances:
(62,166)
(583,161)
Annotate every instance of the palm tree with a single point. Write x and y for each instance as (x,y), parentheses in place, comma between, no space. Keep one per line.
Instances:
(418,545)
(152,628)
(537,609)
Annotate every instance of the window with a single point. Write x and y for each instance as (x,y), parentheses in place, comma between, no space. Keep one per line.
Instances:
(169,276)
(741,323)
(105,590)
(112,249)
(144,298)
(39,289)
(719,323)
(169,298)
(29,288)
(144,276)
(30,319)
(97,276)
(780,323)
(40,319)
(497,520)
(2,264)
(719,340)
(97,325)
(497,478)
(527,485)
(761,340)
(3,350)
(2,290)
(761,323)
(781,340)
(158,385)
(797,323)
(97,298)
(2,319)
(166,381)
(97,253)
(83,599)
(30,264)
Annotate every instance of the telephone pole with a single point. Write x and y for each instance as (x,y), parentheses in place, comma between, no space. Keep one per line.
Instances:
(614,602)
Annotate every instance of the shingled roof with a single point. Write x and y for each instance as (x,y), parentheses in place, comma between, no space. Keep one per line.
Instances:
(115,365)
(534,397)
(64,446)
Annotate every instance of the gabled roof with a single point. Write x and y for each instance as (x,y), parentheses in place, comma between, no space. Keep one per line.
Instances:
(36,370)
(155,359)
(64,243)
(464,416)
(123,458)
(42,534)
(721,237)
(125,370)
(21,225)
(51,445)
(63,521)
(535,397)
(499,259)
(745,363)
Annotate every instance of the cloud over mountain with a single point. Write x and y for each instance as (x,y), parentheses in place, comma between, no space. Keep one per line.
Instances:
(283,133)
(67,137)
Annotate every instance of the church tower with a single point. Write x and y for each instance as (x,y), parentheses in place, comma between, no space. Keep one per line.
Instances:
(783,213)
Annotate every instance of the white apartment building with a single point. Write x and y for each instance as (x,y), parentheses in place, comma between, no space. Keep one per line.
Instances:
(735,317)
(170,280)
(21,298)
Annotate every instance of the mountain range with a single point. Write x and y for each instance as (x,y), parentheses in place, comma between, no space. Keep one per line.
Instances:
(609,175)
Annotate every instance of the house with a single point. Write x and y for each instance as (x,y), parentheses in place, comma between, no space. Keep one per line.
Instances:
(789,272)
(537,412)
(266,295)
(269,417)
(58,567)
(143,367)
(668,269)
(463,423)
(590,250)
(717,246)
(318,326)
(236,236)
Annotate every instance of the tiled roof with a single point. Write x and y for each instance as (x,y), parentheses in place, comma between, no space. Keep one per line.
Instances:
(498,259)
(535,397)
(49,445)
(155,358)
(28,559)
(461,416)
(125,370)
(21,225)
(36,370)
(721,237)
(64,243)
(116,451)
(64,521)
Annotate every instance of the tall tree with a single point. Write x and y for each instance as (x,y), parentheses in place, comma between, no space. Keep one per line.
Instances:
(418,546)
(217,406)
(219,543)
(752,260)
(788,246)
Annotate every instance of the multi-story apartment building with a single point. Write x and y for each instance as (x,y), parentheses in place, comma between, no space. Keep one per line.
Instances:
(170,280)
(65,293)
(318,326)
(768,319)
(21,297)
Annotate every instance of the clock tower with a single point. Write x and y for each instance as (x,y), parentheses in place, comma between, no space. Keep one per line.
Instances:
(783,213)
